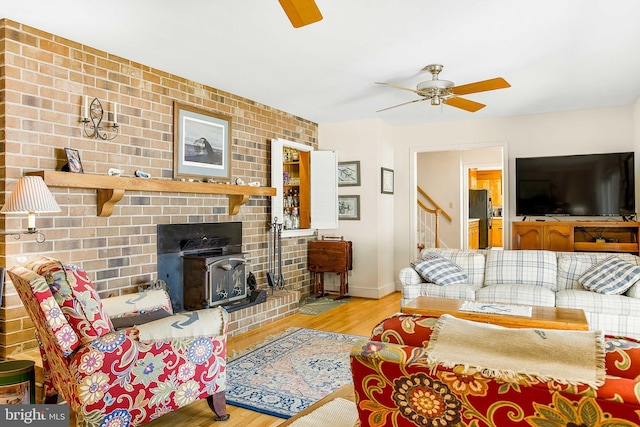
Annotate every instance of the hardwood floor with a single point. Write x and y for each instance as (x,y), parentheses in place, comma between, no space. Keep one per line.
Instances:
(357,317)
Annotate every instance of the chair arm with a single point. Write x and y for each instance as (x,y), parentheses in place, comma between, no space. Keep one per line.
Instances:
(137,303)
(395,383)
(408,276)
(406,329)
(622,356)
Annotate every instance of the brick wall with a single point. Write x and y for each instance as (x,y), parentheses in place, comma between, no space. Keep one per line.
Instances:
(43,79)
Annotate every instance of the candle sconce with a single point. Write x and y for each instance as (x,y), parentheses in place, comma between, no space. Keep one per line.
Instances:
(92,115)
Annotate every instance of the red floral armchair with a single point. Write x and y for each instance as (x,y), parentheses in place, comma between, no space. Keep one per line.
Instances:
(122,377)
(394,387)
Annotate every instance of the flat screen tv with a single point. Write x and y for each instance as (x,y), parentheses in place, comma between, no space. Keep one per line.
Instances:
(581,185)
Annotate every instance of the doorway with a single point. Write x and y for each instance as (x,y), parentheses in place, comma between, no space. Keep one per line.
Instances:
(444,174)
(484,220)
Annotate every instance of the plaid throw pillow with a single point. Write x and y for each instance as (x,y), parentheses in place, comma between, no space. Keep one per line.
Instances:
(438,270)
(612,276)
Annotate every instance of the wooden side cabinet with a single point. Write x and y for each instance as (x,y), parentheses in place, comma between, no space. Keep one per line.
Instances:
(474,234)
(578,236)
(495,233)
(334,255)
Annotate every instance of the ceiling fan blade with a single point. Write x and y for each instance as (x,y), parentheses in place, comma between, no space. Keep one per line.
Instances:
(397,86)
(404,103)
(464,104)
(301,12)
(483,86)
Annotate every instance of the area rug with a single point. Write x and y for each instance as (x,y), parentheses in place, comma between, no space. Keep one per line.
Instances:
(314,306)
(290,372)
(337,413)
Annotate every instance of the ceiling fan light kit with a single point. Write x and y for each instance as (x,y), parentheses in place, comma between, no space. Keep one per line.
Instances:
(444,91)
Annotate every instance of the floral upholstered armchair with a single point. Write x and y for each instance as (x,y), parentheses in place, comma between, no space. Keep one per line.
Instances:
(396,386)
(120,377)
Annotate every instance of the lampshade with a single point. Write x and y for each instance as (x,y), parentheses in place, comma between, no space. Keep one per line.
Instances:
(30,195)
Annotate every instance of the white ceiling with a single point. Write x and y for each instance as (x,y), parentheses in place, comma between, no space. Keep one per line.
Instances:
(557,54)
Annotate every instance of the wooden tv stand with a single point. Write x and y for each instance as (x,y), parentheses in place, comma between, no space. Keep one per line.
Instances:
(577,236)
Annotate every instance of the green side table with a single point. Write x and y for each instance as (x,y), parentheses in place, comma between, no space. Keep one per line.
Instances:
(17,382)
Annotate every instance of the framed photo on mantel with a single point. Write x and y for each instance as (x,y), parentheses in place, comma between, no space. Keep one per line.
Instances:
(74,164)
(201,144)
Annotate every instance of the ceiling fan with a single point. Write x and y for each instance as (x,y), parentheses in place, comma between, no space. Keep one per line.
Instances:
(301,12)
(444,91)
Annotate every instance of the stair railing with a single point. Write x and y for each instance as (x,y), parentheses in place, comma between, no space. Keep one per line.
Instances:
(428,221)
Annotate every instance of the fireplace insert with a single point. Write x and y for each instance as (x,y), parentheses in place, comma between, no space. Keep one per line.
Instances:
(204,241)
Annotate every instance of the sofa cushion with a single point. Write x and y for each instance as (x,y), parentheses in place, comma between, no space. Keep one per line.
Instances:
(463,291)
(517,294)
(619,305)
(525,267)
(612,276)
(471,262)
(438,270)
(633,291)
(572,265)
(76,296)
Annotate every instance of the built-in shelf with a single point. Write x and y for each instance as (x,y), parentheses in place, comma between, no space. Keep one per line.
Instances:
(110,189)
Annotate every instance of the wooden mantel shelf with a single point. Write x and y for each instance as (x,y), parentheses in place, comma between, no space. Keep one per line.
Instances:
(111,188)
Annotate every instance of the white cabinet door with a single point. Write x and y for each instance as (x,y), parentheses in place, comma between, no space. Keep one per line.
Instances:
(324,190)
(277,204)
(324,187)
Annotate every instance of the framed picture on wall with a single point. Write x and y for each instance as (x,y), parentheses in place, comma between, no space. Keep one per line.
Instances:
(348,174)
(201,144)
(349,207)
(386,181)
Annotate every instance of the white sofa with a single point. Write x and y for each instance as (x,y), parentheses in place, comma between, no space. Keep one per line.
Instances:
(532,277)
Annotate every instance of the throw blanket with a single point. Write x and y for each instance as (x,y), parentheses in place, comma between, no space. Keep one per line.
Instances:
(568,357)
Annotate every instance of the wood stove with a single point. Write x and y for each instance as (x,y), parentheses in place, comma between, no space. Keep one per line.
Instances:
(212,275)
(203,266)
(202,240)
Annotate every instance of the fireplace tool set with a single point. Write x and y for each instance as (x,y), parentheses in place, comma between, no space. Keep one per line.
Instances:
(276,280)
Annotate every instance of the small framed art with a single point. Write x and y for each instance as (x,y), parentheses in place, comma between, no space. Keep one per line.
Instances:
(348,174)
(201,144)
(74,164)
(386,181)
(349,207)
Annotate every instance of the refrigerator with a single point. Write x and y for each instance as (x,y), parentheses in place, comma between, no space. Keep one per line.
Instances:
(480,207)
